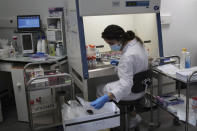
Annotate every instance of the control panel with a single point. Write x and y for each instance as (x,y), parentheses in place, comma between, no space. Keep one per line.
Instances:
(137,3)
(110,7)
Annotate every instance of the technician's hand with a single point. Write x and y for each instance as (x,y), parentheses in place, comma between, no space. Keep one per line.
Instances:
(100,102)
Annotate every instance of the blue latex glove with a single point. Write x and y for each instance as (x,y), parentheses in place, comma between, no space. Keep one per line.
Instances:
(114,62)
(100,102)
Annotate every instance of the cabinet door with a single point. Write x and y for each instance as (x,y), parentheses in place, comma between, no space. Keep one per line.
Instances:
(20,95)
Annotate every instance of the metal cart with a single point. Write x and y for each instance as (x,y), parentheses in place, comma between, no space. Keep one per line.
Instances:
(158,73)
(46,90)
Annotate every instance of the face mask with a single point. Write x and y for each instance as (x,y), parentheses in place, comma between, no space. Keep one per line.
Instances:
(116,47)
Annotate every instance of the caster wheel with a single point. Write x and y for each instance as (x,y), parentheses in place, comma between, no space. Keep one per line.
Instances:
(176,122)
(137,128)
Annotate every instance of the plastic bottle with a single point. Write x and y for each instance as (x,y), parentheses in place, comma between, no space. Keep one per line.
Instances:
(44,45)
(58,25)
(88,51)
(52,49)
(61,49)
(14,44)
(92,49)
(183,53)
(187,60)
(89,62)
(11,50)
(39,45)
(94,63)
(98,56)
(57,50)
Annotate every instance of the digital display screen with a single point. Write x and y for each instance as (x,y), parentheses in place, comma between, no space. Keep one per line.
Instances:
(137,3)
(131,3)
(31,22)
(27,42)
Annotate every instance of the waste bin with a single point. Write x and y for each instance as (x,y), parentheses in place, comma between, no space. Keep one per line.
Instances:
(106,117)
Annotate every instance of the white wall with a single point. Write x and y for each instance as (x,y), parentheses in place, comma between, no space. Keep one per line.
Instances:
(95,25)
(182,32)
(146,28)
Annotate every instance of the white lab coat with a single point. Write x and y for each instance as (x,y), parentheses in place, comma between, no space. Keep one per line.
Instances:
(134,60)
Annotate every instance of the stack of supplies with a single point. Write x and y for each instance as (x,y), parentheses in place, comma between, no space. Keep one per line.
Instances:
(184,74)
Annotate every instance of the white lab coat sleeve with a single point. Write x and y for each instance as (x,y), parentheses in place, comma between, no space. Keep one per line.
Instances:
(122,87)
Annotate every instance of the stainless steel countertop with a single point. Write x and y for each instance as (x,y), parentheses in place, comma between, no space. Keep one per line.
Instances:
(32,60)
(101,70)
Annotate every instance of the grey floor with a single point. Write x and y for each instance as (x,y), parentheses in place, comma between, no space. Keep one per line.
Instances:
(166,121)
(10,123)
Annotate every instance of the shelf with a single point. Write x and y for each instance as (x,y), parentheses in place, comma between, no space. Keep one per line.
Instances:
(47,126)
(54,29)
(176,110)
(56,41)
(59,41)
(34,114)
(49,87)
(54,17)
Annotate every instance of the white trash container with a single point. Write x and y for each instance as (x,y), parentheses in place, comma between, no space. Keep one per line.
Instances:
(106,117)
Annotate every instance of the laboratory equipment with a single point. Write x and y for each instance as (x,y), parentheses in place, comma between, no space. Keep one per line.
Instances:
(27,43)
(39,45)
(86,20)
(187,60)
(27,23)
(52,49)
(14,43)
(11,50)
(55,11)
(57,50)
(46,90)
(44,45)
(183,53)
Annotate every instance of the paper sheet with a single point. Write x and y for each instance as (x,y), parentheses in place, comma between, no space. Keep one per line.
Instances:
(169,69)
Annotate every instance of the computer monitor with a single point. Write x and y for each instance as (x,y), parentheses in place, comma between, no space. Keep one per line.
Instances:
(28,23)
(27,43)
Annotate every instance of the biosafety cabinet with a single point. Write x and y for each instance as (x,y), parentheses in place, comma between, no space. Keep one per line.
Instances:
(86,20)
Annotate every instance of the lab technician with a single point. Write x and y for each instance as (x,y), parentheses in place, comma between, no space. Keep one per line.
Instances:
(134,59)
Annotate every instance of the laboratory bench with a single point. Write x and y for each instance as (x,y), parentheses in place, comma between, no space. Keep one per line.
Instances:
(101,69)
(15,67)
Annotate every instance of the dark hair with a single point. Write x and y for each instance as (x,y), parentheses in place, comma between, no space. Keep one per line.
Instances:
(115,32)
